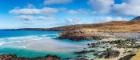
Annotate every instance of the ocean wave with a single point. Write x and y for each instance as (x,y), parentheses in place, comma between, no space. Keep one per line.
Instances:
(1,43)
(21,38)
(40,43)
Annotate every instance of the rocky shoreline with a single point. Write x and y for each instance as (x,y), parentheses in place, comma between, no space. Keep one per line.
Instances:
(107,46)
(111,49)
(83,34)
(78,35)
(14,57)
(115,45)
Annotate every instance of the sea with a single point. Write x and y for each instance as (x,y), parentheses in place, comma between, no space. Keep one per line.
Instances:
(38,43)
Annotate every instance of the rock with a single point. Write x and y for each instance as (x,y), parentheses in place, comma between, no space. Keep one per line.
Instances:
(108,54)
(77,35)
(49,57)
(84,52)
(14,57)
(7,57)
(128,57)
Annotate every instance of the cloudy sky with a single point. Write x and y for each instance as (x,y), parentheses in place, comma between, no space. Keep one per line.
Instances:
(52,13)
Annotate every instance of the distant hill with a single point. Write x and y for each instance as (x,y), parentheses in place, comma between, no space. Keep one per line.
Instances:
(136,19)
(114,26)
(79,26)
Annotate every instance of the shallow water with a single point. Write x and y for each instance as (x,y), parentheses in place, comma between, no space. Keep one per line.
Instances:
(36,43)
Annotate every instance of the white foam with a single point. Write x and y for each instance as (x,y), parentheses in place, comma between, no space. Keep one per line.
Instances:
(48,44)
(1,43)
(41,43)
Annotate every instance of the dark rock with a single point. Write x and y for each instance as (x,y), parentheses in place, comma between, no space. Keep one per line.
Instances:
(108,54)
(14,57)
(79,35)
(84,52)
(7,57)
(128,57)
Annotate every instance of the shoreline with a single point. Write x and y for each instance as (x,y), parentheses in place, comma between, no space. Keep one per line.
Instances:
(111,42)
(78,35)
(127,48)
(14,57)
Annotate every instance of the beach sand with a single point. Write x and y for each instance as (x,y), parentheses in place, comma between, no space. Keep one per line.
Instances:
(137,57)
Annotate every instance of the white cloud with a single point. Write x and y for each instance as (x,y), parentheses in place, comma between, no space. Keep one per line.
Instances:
(31,17)
(109,18)
(49,2)
(25,17)
(79,11)
(101,6)
(45,18)
(49,10)
(129,7)
(73,12)
(46,10)
(25,11)
(73,21)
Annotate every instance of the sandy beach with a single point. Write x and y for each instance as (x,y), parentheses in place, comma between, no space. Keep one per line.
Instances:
(137,57)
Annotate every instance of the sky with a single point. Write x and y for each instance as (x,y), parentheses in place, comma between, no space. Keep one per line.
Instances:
(53,13)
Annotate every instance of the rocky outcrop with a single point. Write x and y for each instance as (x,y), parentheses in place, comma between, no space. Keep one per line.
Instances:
(14,57)
(7,57)
(128,57)
(77,35)
(109,53)
(84,52)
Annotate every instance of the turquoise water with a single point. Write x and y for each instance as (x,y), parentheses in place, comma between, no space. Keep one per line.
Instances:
(17,33)
(37,43)
(33,54)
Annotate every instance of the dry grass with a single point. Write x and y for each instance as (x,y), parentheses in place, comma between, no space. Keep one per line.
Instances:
(114,26)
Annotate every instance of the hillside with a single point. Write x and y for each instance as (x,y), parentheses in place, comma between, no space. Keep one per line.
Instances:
(114,26)
(136,19)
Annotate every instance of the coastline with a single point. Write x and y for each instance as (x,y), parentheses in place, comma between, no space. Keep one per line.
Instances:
(14,57)
(105,43)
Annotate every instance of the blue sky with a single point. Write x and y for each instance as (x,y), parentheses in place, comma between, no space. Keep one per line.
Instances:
(52,13)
